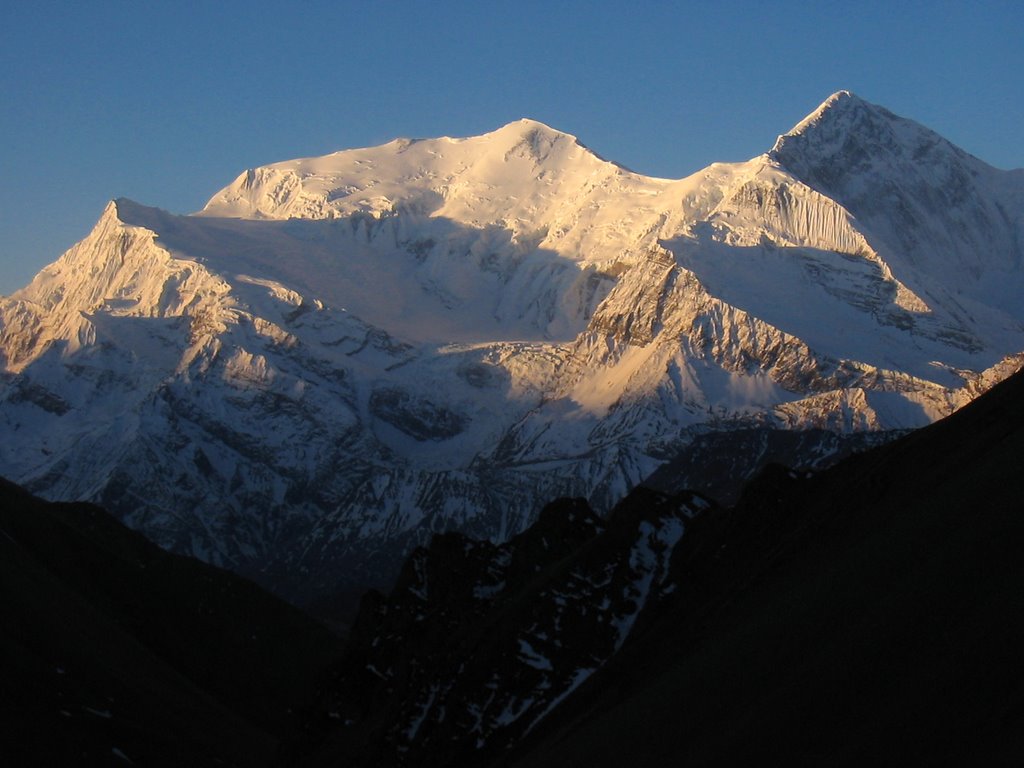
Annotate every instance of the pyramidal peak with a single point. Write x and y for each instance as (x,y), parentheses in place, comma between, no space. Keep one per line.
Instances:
(837,106)
(849,141)
(849,129)
(840,115)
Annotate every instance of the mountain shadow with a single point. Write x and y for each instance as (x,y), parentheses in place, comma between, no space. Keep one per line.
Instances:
(114,652)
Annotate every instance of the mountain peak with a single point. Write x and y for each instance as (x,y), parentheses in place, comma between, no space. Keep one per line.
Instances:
(526,129)
(846,133)
(528,123)
(912,191)
(840,113)
(420,173)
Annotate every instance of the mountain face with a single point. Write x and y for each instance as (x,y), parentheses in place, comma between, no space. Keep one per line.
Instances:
(339,356)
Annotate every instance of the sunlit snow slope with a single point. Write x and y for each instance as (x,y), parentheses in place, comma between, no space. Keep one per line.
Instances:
(340,355)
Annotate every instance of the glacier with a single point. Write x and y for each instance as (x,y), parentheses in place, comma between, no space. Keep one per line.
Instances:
(339,356)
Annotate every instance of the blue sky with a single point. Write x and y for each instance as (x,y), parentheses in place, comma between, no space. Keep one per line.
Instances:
(165,104)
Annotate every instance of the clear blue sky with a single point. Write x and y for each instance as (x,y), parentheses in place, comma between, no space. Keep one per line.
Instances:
(165,104)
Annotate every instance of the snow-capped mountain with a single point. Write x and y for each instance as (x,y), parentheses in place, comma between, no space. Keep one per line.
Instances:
(338,356)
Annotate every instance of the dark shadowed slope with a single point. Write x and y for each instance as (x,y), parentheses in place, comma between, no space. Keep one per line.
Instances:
(112,650)
(478,642)
(875,611)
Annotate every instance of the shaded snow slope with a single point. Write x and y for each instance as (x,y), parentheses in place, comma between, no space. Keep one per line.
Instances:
(340,355)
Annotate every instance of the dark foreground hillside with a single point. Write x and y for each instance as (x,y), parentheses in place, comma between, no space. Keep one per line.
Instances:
(873,612)
(113,652)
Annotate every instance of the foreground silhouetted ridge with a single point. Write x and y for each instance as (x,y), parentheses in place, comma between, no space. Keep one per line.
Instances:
(112,650)
(478,642)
